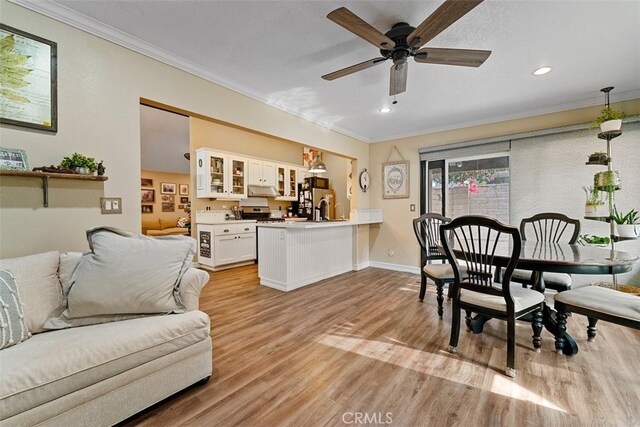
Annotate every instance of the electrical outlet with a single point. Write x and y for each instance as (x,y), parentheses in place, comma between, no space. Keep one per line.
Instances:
(412,207)
(111,205)
(391,252)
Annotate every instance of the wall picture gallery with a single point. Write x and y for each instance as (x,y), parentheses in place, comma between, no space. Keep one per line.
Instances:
(170,193)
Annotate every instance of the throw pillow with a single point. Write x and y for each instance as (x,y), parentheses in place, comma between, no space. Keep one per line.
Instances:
(13,328)
(125,275)
(37,280)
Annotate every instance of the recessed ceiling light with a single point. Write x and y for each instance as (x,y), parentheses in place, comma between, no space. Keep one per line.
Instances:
(541,71)
(385,110)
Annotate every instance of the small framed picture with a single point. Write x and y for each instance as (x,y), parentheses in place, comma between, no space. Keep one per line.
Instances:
(13,159)
(184,189)
(181,207)
(395,180)
(146,182)
(184,200)
(168,207)
(147,196)
(168,188)
(146,209)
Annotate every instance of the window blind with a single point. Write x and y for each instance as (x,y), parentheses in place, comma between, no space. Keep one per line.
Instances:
(464,149)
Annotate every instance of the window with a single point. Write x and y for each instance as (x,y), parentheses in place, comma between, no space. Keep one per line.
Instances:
(474,186)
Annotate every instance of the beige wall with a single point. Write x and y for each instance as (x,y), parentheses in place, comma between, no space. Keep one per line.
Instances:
(100,86)
(397,233)
(169,219)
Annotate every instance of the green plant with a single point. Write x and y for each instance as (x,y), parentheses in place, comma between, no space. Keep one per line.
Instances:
(79,161)
(589,239)
(593,196)
(605,115)
(630,217)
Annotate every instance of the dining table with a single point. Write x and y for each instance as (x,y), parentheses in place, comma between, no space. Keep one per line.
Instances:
(544,257)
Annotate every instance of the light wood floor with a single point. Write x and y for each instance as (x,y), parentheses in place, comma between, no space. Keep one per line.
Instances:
(361,342)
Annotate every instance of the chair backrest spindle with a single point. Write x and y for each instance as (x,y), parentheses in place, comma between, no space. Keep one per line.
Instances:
(551,227)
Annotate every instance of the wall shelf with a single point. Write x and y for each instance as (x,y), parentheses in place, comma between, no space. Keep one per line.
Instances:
(622,239)
(598,162)
(598,218)
(45,176)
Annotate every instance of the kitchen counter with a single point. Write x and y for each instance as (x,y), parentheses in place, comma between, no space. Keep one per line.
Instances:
(295,254)
(228,221)
(316,224)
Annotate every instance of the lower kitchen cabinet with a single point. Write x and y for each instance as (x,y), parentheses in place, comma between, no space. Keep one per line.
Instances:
(224,246)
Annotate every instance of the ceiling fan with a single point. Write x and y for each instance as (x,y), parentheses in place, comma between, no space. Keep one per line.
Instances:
(403,41)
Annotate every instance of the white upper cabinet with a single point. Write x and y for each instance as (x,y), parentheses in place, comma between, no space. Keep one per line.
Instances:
(287,182)
(220,175)
(262,173)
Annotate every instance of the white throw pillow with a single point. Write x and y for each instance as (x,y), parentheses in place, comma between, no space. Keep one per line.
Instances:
(37,280)
(125,275)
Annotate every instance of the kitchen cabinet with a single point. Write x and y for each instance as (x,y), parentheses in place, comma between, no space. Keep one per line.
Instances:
(262,173)
(226,245)
(220,175)
(287,182)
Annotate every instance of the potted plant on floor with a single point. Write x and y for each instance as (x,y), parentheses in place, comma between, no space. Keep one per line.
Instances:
(80,164)
(626,224)
(608,120)
(594,205)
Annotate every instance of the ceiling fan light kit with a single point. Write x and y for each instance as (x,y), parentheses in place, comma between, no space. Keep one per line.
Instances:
(403,41)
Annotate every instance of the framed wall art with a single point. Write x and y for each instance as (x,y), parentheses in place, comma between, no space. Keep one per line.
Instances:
(168,207)
(395,180)
(13,159)
(184,200)
(168,188)
(146,209)
(146,182)
(147,196)
(29,95)
(184,189)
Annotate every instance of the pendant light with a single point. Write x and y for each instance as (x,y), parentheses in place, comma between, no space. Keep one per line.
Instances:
(318,166)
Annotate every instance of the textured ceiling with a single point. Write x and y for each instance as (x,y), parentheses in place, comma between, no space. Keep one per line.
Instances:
(276,51)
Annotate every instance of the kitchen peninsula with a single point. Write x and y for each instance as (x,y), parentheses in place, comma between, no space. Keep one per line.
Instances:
(296,254)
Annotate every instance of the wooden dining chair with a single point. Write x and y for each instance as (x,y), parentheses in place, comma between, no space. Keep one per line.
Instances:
(549,227)
(427,230)
(473,242)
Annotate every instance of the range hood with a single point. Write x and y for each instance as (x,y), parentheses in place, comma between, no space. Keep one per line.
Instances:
(263,191)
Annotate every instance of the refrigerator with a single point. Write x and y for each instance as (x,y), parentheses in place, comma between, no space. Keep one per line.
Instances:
(309,199)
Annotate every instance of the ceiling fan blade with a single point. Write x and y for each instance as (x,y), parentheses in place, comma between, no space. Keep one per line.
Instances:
(448,13)
(463,57)
(350,21)
(398,78)
(354,68)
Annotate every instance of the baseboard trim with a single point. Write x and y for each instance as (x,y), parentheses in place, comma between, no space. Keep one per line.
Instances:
(361,266)
(395,267)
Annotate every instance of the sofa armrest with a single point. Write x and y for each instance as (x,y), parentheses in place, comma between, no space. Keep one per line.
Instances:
(191,284)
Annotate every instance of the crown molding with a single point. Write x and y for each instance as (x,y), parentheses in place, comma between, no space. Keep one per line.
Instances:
(590,102)
(92,26)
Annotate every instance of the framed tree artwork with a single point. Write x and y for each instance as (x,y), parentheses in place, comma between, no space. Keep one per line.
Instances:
(28,74)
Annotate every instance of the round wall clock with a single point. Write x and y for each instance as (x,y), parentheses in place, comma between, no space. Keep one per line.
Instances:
(364,180)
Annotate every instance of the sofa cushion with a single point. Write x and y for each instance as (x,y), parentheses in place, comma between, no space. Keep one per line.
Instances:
(68,264)
(124,274)
(37,280)
(13,329)
(54,364)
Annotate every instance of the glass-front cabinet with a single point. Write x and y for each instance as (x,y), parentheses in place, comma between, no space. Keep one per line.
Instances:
(220,176)
(287,182)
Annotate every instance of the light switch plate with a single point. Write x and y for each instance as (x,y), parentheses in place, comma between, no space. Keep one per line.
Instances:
(111,205)
(412,207)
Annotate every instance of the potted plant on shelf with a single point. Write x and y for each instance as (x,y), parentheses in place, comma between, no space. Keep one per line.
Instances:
(607,181)
(594,205)
(80,164)
(626,224)
(608,120)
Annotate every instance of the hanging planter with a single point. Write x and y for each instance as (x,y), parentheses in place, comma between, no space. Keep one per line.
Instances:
(607,181)
(608,120)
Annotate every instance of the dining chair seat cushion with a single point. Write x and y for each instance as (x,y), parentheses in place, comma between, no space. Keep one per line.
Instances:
(441,271)
(522,298)
(561,279)
(603,300)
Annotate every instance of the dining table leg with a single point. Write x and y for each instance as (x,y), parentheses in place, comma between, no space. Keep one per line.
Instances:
(549,318)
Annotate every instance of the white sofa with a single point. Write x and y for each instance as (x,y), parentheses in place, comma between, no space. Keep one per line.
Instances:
(99,374)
